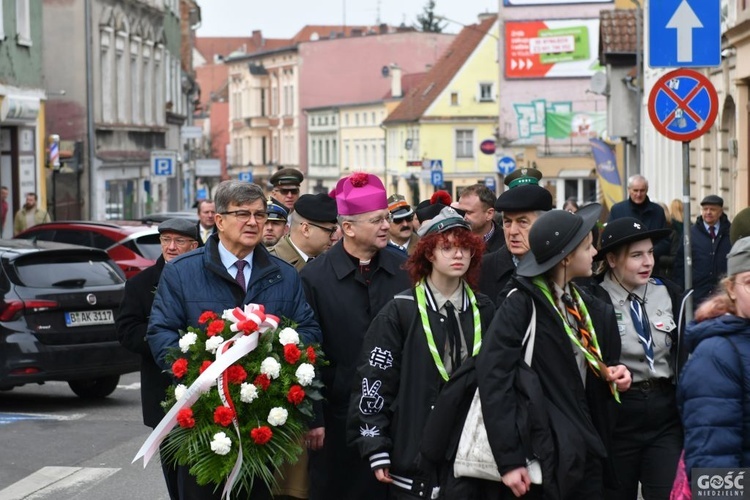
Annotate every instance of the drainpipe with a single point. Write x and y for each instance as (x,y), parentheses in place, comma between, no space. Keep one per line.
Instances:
(90,128)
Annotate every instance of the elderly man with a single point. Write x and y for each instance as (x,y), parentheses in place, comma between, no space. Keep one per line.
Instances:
(346,288)
(276,225)
(177,236)
(231,270)
(709,245)
(402,236)
(206,225)
(639,206)
(520,207)
(312,230)
(478,203)
(286,182)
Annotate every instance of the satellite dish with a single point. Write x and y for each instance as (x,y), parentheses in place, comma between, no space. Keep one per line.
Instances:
(599,83)
(385,71)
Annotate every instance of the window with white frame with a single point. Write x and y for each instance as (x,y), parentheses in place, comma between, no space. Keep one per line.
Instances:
(346,155)
(486,92)
(159,89)
(464,143)
(136,84)
(107,77)
(148,82)
(23,22)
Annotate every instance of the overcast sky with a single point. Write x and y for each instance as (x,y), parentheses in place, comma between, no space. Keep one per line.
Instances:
(283,18)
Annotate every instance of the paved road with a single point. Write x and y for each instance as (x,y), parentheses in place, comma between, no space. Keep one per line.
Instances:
(57,446)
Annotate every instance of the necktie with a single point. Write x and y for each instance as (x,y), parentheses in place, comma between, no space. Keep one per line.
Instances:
(454,335)
(640,322)
(712,232)
(240,276)
(204,236)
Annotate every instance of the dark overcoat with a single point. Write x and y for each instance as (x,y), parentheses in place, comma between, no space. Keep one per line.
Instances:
(581,418)
(497,268)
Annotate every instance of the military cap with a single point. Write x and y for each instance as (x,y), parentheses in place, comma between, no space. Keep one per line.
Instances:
(287,177)
(398,207)
(276,210)
(523,176)
(316,207)
(524,198)
(179,226)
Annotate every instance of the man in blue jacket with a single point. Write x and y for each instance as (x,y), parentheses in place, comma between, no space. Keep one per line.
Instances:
(232,269)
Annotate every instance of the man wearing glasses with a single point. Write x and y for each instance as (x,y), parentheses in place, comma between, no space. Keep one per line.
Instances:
(232,269)
(401,234)
(177,236)
(286,182)
(312,230)
(346,288)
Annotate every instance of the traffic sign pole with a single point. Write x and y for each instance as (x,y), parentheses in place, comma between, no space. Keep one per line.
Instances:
(686,228)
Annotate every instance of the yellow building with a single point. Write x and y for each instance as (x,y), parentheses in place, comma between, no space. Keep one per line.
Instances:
(446,116)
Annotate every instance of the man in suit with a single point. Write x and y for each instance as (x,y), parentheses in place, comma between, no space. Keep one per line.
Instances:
(177,236)
(312,230)
(478,203)
(206,225)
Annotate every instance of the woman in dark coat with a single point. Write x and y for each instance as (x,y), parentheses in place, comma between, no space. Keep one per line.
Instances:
(713,392)
(647,440)
(575,358)
(412,348)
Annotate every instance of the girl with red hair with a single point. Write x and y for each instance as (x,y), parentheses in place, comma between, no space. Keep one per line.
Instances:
(412,348)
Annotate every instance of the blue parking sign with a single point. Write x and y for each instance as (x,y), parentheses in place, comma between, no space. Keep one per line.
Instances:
(436,176)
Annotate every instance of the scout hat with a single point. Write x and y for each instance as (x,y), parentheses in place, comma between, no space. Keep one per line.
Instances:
(626,230)
(554,235)
(359,193)
(446,219)
(316,207)
(524,198)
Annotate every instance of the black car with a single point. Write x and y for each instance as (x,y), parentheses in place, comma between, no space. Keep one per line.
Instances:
(57,315)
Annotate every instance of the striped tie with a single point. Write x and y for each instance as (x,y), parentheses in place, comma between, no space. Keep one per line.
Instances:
(640,322)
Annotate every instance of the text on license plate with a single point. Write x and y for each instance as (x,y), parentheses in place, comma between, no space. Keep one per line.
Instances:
(84,318)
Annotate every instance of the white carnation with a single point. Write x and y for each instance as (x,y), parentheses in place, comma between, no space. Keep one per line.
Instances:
(221,444)
(227,315)
(213,343)
(305,374)
(179,391)
(288,336)
(270,367)
(277,416)
(248,393)
(187,340)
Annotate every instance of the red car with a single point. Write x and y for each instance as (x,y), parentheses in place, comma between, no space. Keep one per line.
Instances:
(133,248)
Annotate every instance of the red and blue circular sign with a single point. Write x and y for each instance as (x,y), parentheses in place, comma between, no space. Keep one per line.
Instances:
(683,105)
(488,146)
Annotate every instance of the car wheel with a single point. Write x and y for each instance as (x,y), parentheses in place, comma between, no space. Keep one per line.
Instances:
(97,388)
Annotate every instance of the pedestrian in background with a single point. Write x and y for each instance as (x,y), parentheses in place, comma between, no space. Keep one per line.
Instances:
(177,236)
(346,287)
(29,215)
(411,349)
(713,389)
(647,439)
(575,358)
(478,203)
(206,226)
(276,225)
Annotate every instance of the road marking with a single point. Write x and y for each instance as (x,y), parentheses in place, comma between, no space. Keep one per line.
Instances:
(54,482)
(9,418)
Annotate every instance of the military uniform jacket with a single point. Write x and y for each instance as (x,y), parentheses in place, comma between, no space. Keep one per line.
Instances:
(497,268)
(581,418)
(131,326)
(400,382)
(286,252)
(344,306)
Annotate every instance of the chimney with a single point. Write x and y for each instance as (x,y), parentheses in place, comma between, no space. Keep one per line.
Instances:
(257,38)
(396,90)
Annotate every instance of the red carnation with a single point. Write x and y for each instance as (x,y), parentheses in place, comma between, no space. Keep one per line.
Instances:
(204,366)
(359,179)
(261,435)
(185,418)
(291,353)
(248,326)
(179,367)
(236,374)
(262,381)
(206,317)
(311,354)
(296,394)
(215,328)
(223,415)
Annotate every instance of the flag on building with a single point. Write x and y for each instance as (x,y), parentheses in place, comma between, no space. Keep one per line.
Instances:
(575,125)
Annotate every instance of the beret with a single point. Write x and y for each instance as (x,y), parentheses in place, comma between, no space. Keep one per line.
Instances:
(524,198)
(316,207)
(179,226)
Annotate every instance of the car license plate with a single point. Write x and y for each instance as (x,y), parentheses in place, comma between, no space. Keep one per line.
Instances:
(85,318)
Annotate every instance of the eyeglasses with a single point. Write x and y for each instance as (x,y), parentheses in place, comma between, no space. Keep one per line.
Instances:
(449,251)
(180,242)
(402,220)
(287,191)
(746,285)
(329,230)
(243,216)
(375,221)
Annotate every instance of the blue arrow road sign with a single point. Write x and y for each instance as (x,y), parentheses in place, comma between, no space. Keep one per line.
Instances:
(436,177)
(684,33)
(506,165)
